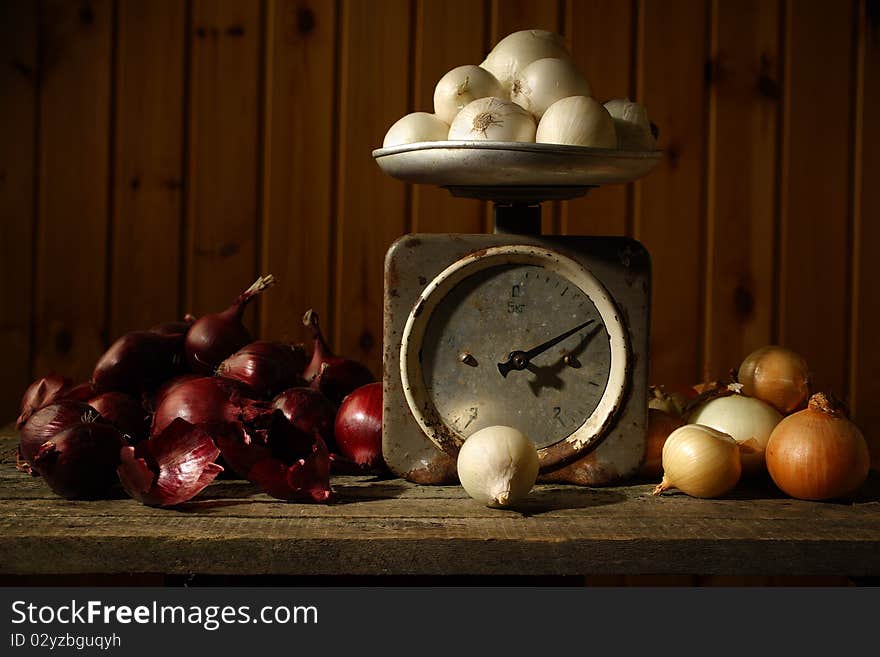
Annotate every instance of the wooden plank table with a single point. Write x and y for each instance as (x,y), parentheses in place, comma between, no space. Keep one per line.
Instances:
(392,527)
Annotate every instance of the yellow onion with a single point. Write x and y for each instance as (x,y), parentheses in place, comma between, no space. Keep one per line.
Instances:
(777,376)
(818,453)
(700,461)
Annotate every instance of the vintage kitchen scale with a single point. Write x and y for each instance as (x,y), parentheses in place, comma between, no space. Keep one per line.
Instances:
(548,334)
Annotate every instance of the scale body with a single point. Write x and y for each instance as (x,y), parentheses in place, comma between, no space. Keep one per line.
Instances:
(548,334)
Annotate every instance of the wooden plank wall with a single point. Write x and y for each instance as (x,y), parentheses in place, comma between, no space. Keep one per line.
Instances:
(156,157)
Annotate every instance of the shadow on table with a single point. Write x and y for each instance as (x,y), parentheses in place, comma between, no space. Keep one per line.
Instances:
(545,500)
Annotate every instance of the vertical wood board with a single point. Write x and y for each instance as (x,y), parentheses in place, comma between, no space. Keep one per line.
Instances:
(864,353)
(222,208)
(298,155)
(18,111)
(815,189)
(74,154)
(148,163)
(668,203)
(444,41)
(744,110)
(601,36)
(371,206)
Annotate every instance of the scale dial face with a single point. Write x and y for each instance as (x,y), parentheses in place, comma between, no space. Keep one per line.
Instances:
(520,336)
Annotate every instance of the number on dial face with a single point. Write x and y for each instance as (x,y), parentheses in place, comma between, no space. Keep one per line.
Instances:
(516,308)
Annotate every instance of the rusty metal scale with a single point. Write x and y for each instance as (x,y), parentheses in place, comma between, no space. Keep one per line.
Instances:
(548,334)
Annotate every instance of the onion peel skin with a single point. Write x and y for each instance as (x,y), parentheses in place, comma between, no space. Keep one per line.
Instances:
(80,462)
(125,413)
(818,453)
(265,368)
(171,467)
(281,460)
(334,376)
(40,393)
(216,336)
(308,410)
(49,421)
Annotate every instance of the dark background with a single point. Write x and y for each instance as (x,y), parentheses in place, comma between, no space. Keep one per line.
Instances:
(155,157)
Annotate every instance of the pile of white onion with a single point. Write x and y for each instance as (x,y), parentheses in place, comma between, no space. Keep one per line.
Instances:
(527,89)
(760,425)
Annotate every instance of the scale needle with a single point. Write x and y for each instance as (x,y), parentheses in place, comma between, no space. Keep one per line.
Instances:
(519,360)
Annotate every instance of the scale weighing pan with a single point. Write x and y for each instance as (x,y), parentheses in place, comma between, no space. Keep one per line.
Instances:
(503,164)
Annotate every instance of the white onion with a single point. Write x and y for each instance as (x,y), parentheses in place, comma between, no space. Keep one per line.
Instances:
(418,126)
(460,86)
(497,465)
(544,81)
(632,125)
(700,461)
(493,119)
(578,121)
(747,420)
(516,51)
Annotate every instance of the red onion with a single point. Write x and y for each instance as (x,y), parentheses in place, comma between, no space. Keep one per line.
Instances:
(335,377)
(205,400)
(48,422)
(139,361)
(281,460)
(81,392)
(80,462)
(171,467)
(174,328)
(40,393)
(358,429)
(125,413)
(156,398)
(308,410)
(265,368)
(214,337)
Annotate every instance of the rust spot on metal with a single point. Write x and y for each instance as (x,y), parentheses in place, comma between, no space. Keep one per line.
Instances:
(392,279)
(423,280)
(412,242)
(420,306)
(586,471)
(439,471)
(393,292)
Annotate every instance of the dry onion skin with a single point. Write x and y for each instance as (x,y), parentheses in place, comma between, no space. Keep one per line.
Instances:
(519,49)
(544,81)
(493,119)
(747,420)
(461,86)
(700,462)
(414,128)
(632,125)
(498,466)
(818,453)
(577,121)
(776,375)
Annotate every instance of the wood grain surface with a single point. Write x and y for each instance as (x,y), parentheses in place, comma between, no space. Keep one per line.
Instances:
(393,528)
(156,157)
